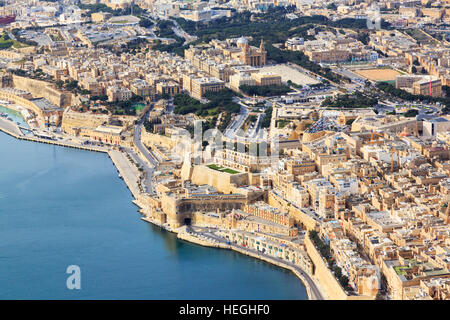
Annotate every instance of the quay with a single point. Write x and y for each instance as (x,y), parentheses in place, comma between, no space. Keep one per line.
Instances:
(13,130)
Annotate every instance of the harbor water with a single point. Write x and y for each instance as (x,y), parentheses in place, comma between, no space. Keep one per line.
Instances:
(62,207)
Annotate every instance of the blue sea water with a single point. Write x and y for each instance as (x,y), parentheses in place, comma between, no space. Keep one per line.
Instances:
(61,207)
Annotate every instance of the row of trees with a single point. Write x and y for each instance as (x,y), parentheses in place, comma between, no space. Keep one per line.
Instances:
(325,252)
(356,100)
(225,121)
(265,122)
(405,95)
(221,101)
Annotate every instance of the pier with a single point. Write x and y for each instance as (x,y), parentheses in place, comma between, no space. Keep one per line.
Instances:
(14,130)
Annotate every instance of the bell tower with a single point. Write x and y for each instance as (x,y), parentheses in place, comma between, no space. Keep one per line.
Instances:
(262,53)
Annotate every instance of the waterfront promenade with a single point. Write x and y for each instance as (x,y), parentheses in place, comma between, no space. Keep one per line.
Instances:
(208,239)
(212,240)
(127,170)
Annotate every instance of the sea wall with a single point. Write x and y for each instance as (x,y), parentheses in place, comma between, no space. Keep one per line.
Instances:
(279,264)
(327,279)
(193,239)
(39,88)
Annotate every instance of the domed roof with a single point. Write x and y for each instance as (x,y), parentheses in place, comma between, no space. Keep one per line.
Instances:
(242,40)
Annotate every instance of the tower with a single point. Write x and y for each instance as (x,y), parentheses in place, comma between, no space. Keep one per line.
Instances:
(262,53)
(261,46)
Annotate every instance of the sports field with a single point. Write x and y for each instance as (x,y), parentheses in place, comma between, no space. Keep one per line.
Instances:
(378,74)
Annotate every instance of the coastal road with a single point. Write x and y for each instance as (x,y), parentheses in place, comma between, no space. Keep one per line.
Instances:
(149,186)
(314,291)
(138,143)
(150,158)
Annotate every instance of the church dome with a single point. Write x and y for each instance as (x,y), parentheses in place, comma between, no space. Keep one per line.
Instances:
(241,41)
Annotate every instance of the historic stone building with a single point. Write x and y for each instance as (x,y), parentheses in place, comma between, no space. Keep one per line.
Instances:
(252,56)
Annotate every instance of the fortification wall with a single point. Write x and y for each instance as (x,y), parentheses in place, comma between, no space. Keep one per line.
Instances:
(43,89)
(222,181)
(299,216)
(327,279)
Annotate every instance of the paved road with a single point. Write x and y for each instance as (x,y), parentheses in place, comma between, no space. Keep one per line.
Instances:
(129,171)
(237,123)
(10,126)
(137,141)
(148,169)
(182,34)
(149,186)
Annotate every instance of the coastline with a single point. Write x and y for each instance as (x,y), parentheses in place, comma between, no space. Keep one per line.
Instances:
(279,263)
(267,259)
(130,175)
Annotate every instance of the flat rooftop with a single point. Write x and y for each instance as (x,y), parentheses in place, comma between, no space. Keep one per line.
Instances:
(45,105)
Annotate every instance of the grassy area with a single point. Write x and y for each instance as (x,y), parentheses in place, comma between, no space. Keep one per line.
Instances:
(401,270)
(282,123)
(120,21)
(138,107)
(6,42)
(56,37)
(222,169)
(421,37)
